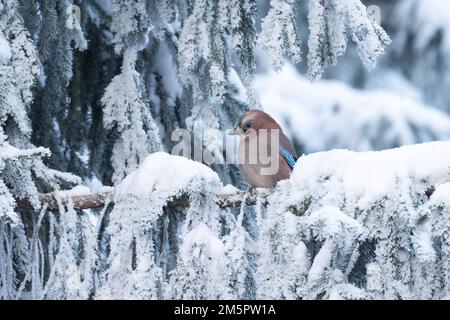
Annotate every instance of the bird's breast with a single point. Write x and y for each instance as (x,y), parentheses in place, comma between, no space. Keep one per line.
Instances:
(261,170)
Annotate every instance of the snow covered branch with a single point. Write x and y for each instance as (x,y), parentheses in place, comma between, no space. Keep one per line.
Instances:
(99,200)
(88,201)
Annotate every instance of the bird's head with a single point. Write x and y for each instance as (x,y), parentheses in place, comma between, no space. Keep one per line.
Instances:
(252,121)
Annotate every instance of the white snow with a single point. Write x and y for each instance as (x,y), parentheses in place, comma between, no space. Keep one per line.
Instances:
(167,69)
(229,190)
(201,238)
(322,260)
(300,257)
(9,152)
(328,23)
(441,195)
(166,173)
(278,33)
(5,50)
(74,192)
(366,177)
(236,81)
(335,200)
(202,267)
(126,108)
(94,184)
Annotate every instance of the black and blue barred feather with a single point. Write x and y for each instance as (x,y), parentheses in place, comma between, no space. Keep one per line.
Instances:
(290,159)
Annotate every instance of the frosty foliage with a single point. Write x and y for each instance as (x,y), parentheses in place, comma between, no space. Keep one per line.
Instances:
(279,34)
(131,23)
(369,229)
(74,269)
(21,166)
(19,158)
(126,110)
(140,243)
(418,55)
(5,50)
(330,23)
(57,38)
(64,264)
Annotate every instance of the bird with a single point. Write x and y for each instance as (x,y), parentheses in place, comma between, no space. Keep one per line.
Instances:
(249,129)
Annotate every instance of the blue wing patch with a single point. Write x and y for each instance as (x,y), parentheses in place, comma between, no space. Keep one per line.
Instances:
(290,159)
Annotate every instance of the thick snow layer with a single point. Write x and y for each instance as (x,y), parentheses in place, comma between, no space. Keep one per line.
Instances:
(329,114)
(5,50)
(166,173)
(367,177)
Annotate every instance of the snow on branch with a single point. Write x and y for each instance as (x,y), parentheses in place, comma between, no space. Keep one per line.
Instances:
(100,199)
(9,152)
(331,23)
(228,197)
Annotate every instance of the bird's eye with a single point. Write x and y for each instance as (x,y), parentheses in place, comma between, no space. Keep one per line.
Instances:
(248,125)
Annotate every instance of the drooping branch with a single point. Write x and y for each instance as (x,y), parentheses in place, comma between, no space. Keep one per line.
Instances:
(99,200)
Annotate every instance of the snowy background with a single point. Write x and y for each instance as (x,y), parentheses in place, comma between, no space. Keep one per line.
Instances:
(91,90)
(403,101)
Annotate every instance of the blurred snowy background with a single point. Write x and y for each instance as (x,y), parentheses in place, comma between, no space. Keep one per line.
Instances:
(405,100)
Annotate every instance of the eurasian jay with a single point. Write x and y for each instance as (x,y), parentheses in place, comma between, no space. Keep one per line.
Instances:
(250,129)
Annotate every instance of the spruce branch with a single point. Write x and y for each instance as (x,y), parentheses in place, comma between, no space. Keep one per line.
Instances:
(99,200)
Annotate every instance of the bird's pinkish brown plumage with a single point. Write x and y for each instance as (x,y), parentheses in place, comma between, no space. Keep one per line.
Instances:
(249,127)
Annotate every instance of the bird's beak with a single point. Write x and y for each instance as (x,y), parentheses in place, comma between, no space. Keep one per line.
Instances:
(235,131)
